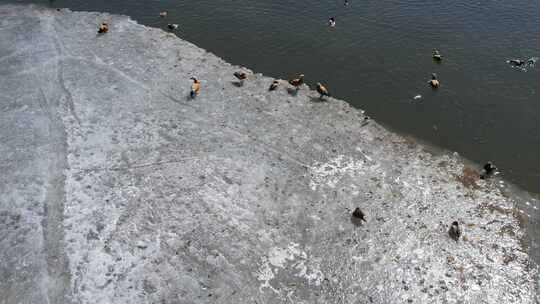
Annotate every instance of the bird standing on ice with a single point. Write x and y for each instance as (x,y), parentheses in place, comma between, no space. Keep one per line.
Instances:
(195,87)
(297,82)
(103,28)
(322,90)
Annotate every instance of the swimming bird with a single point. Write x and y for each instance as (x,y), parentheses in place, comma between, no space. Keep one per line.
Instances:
(332,21)
(103,28)
(240,76)
(274,85)
(516,62)
(488,170)
(322,90)
(454,232)
(163,14)
(434,82)
(172,26)
(297,82)
(195,87)
(436,55)
(359,215)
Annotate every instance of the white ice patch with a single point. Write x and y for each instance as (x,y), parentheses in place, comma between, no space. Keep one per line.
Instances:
(330,173)
(280,259)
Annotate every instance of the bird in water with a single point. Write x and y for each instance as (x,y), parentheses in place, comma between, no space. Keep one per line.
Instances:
(346,3)
(322,90)
(488,170)
(103,28)
(437,56)
(172,26)
(434,82)
(195,87)
(163,14)
(274,85)
(358,216)
(516,62)
(297,82)
(454,232)
(240,76)
(332,22)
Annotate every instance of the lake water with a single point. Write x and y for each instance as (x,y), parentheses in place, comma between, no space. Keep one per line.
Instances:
(378,57)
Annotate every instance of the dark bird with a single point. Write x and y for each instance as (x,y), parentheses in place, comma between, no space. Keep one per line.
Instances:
(488,170)
(195,87)
(172,26)
(358,214)
(274,85)
(434,82)
(103,28)
(454,232)
(163,14)
(332,21)
(297,82)
(322,90)
(240,76)
(436,55)
(516,62)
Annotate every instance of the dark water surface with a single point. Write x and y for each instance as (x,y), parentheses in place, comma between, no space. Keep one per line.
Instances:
(378,58)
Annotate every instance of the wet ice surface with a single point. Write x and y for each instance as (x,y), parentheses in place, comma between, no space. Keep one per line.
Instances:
(239,196)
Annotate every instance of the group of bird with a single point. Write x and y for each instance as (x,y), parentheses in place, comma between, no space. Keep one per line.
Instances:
(454,232)
(357,215)
(296,82)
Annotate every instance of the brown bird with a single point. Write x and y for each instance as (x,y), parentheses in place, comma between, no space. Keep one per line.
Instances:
(103,28)
(454,232)
(297,82)
(274,85)
(434,82)
(195,87)
(240,76)
(163,14)
(322,90)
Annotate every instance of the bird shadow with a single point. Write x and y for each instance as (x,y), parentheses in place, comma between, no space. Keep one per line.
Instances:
(292,92)
(237,84)
(317,99)
(356,221)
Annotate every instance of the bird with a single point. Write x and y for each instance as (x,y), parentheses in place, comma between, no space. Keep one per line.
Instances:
(516,62)
(488,170)
(332,21)
(103,28)
(240,76)
(434,82)
(274,85)
(358,216)
(195,87)
(322,90)
(297,82)
(172,26)
(436,55)
(163,14)
(454,232)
